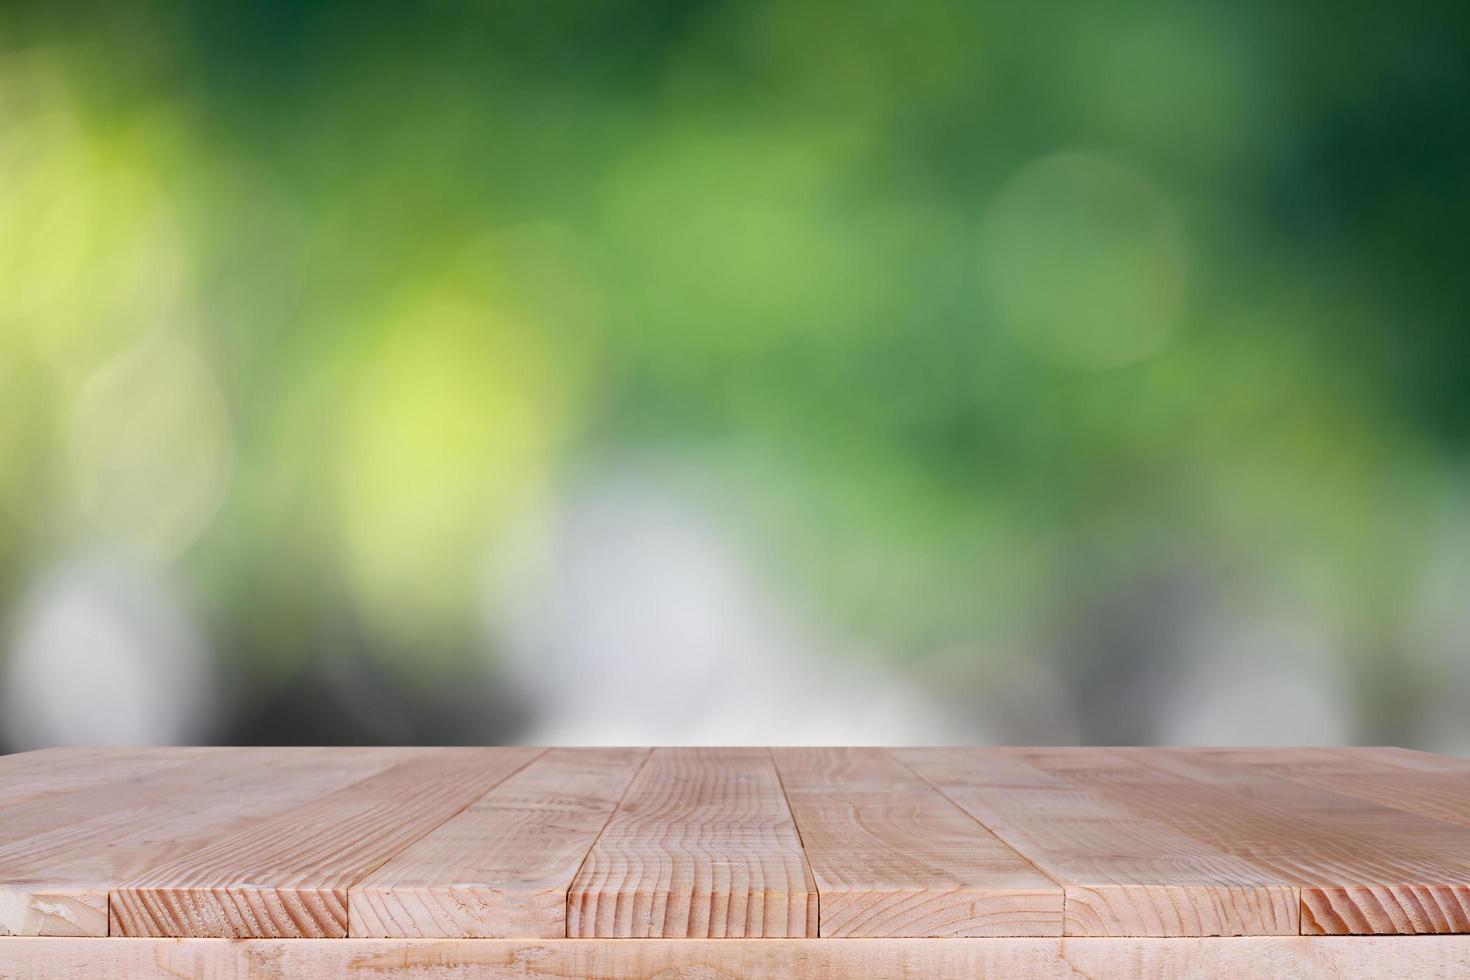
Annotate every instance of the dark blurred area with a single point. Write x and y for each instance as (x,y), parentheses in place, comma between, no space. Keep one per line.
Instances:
(745,372)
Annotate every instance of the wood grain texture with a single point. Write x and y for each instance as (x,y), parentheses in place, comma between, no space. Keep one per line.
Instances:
(503,866)
(891,856)
(48,773)
(1360,868)
(60,856)
(1413,759)
(684,845)
(31,812)
(1443,794)
(1122,875)
(1264,957)
(702,846)
(287,876)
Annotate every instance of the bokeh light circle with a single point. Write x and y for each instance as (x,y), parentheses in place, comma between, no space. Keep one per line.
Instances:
(1083,262)
(151,448)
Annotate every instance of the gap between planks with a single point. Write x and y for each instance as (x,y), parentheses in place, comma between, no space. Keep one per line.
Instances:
(703,845)
(1358,867)
(60,858)
(1122,875)
(502,866)
(1166,785)
(288,876)
(582,864)
(800,841)
(893,857)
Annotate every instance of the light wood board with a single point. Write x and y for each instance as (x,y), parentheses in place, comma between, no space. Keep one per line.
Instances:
(61,856)
(504,865)
(1360,868)
(702,846)
(893,857)
(1123,875)
(942,858)
(1389,778)
(1255,957)
(287,876)
(50,772)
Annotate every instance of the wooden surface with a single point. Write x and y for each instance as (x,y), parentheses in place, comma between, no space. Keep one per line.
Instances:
(1359,867)
(1123,874)
(702,845)
(60,858)
(503,866)
(921,861)
(1032,958)
(892,856)
(288,875)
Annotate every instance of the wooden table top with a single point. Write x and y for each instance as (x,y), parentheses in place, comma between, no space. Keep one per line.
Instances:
(732,842)
(825,843)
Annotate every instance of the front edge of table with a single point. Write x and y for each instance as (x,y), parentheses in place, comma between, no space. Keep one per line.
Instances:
(23,958)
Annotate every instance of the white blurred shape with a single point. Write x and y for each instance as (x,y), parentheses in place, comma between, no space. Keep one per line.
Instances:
(102,655)
(1439,625)
(151,448)
(1275,683)
(643,626)
(1084,262)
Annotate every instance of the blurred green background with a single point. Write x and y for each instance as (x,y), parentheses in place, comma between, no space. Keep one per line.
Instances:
(734,372)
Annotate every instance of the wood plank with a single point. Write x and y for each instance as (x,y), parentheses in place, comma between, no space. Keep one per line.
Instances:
(709,844)
(59,857)
(891,856)
(1361,868)
(1414,759)
(287,876)
(504,865)
(1121,875)
(702,846)
(1293,957)
(46,773)
(1443,794)
(156,784)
